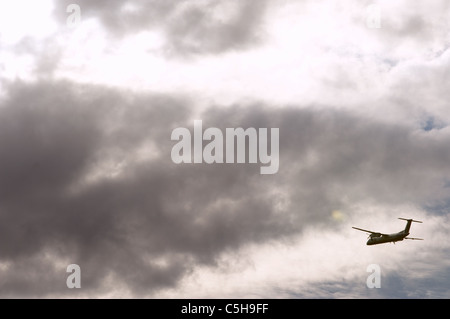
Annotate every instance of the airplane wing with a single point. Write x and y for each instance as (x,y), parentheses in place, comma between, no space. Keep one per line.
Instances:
(369,231)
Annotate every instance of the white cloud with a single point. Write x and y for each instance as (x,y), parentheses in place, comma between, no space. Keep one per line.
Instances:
(330,262)
(317,55)
(22,18)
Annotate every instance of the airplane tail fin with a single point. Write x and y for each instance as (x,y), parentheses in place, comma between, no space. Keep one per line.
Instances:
(408,224)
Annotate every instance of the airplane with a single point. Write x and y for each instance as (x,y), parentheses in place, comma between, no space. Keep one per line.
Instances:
(376,238)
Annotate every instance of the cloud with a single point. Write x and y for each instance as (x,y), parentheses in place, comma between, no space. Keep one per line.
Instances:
(87,179)
(56,137)
(86,176)
(330,263)
(199,27)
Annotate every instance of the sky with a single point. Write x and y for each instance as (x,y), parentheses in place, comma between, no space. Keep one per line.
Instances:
(90,95)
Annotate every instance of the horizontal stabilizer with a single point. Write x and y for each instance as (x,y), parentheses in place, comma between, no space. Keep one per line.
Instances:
(416,221)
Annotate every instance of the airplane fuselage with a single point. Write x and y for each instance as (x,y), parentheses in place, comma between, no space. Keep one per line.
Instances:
(389,238)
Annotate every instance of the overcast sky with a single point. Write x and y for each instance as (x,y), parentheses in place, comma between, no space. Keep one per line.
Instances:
(358,89)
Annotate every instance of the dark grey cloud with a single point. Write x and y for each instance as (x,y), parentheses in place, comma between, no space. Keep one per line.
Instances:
(190,27)
(54,134)
(155,221)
